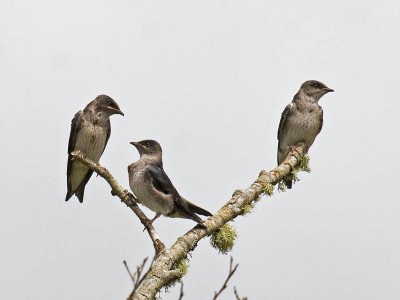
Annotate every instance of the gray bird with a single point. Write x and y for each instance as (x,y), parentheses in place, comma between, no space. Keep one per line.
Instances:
(90,131)
(301,121)
(154,189)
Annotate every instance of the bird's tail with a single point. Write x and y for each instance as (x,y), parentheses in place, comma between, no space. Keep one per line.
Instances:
(198,210)
(69,195)
(79,192)
(197,219)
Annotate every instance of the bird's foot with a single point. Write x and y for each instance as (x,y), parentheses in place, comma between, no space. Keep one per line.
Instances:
(294,149)
(128,194)
(288,164)
(81,154)
(275,173)
(149,223)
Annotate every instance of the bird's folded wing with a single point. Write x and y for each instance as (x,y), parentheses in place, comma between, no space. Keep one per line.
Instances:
(76,124)
(160,179)
(285,115)
(162,183)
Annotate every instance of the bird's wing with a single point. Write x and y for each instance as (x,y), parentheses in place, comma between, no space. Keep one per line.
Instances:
(285,115)
(197,209)
(76,125)
(160,180)
(162,183)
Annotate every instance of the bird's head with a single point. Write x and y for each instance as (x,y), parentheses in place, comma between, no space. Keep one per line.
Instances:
(148,147)
(107,105)
(315,89)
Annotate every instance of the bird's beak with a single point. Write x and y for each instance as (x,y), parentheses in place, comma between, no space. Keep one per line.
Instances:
(137,145)
(327,90)
(115,111)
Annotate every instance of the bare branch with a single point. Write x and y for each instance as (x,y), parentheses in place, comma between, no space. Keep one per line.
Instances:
(125,196)
(137,277)
(138,273)
(129,272)
(230,274)
(140,279)
(237,294)
(155,279)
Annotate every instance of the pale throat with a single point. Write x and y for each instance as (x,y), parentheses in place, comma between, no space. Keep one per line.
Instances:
(313,99)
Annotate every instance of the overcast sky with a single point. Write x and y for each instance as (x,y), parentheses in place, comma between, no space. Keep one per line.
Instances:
(208,80)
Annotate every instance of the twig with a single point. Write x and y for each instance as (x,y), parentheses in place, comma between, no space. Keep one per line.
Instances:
(137,277)
(125,196)
(129,272)
(181,293)
(237,294)
(230,274)
(140,280)
(138,273)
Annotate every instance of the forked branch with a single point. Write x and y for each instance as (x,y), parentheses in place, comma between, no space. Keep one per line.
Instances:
(164,271)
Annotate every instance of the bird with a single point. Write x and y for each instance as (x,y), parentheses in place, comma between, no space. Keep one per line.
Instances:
(153,188)
(90,131)
(301,121)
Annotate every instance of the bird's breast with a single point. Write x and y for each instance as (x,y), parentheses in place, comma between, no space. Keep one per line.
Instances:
(92,141)
(305,129)
(145,192)
(303,126)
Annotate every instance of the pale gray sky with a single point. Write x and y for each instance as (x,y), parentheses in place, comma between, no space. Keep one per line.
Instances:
(208,80)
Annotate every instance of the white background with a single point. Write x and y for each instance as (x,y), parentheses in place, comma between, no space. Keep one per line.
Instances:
(208,80)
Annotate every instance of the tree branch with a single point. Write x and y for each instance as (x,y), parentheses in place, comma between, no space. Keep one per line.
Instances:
(125,196)
(163,271)
(168,258)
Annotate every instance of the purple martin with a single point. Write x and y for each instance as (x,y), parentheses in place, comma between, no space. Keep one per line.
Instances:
(301,121)
(154,189)
(90,131)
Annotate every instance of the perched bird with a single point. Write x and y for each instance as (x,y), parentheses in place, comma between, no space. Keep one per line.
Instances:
(154,189)
(301,121)
(90,131)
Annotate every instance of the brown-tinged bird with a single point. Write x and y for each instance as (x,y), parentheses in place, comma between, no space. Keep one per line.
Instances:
(90,131)
(301,121)
(154,189)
